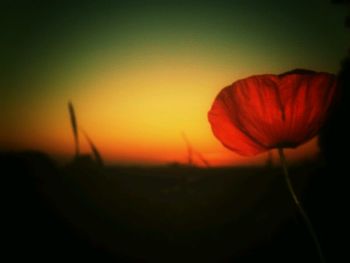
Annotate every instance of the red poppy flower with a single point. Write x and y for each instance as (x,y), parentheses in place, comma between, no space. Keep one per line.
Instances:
(262,112)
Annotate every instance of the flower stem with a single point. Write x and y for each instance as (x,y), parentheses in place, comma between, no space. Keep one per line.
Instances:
(299,206)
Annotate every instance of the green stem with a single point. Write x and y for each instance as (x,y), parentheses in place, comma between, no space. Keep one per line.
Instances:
(299,206)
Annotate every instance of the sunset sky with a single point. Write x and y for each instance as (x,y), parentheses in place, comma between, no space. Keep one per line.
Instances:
(141,73)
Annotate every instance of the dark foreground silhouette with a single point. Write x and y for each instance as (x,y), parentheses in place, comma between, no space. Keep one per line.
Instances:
(165,214)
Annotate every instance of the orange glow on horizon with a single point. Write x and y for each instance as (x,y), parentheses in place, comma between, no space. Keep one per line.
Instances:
(135,114)
(148,154)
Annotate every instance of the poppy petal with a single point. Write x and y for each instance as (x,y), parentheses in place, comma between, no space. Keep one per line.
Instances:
(306,100)
(270,111)
(257,109)
(227,131)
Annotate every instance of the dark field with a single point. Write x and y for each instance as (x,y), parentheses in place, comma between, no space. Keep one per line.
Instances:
(81,212)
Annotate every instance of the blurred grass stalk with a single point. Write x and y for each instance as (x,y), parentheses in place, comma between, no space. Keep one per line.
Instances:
(191,152)
(74,124)
(95,151)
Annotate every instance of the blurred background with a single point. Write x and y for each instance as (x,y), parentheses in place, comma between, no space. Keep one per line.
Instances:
(142,73)
(151,183)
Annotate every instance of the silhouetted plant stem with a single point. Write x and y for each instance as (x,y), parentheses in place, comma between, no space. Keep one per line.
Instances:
(74,125)
(95,151)
(299,205)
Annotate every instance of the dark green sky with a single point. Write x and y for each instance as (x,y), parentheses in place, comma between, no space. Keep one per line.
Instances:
(35,32)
